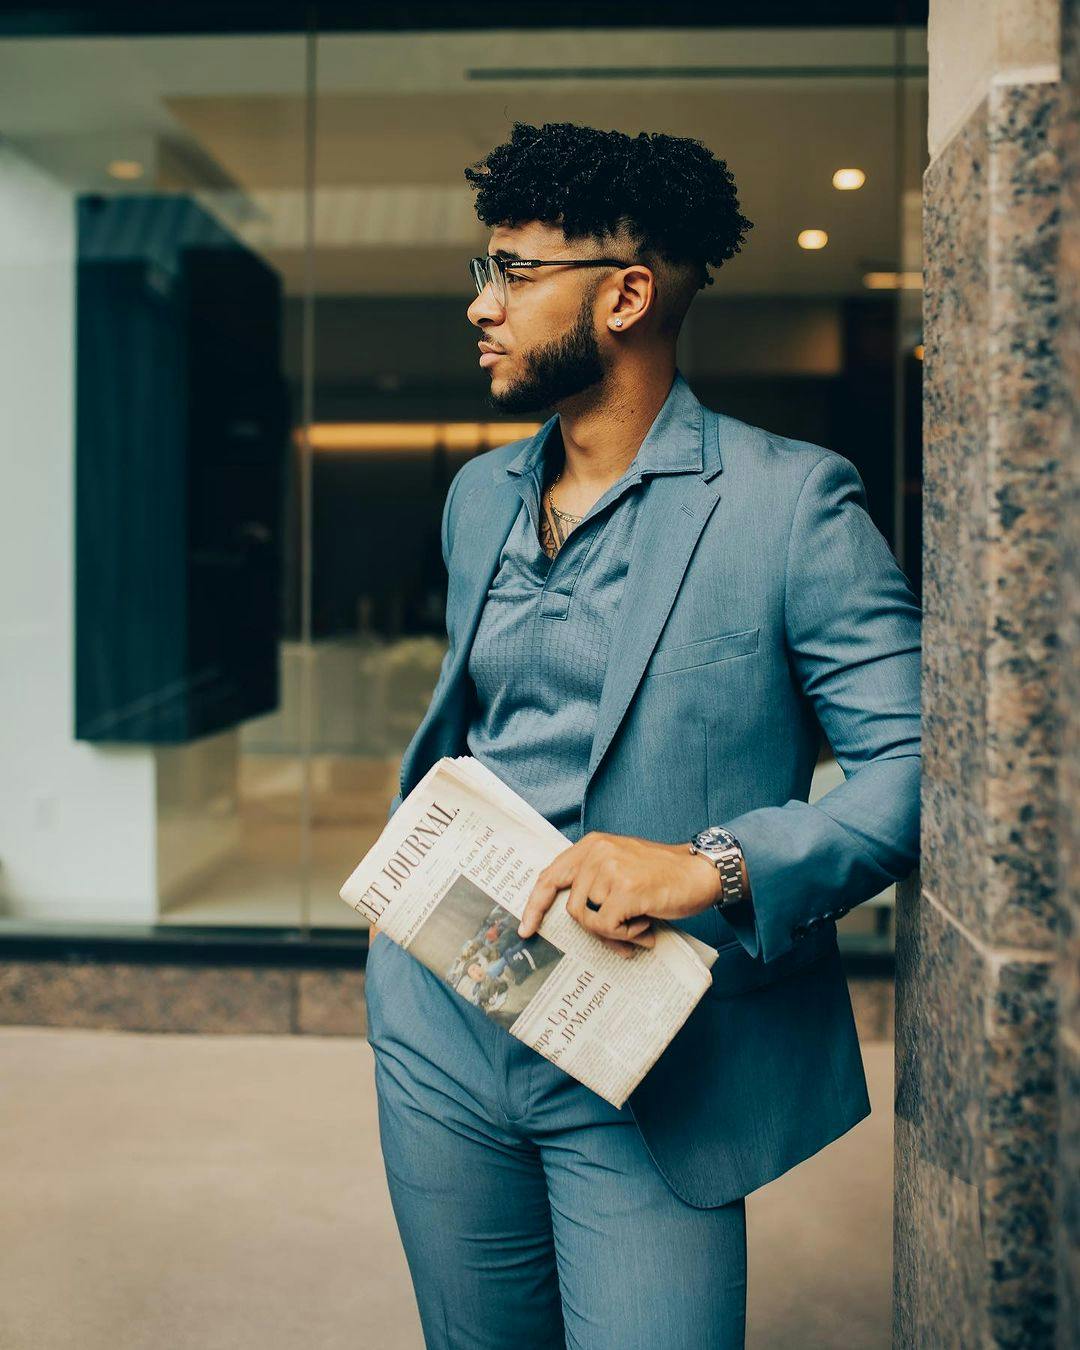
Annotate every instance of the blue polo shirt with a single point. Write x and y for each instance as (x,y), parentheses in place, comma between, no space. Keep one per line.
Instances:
(543,641)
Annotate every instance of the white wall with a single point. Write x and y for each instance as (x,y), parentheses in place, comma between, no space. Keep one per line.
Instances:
(77,822)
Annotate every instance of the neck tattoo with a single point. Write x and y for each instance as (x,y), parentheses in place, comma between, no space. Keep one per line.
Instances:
(556,525)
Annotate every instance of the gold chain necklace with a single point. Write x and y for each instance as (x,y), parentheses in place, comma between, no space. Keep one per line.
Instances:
(560,521)
(563,515)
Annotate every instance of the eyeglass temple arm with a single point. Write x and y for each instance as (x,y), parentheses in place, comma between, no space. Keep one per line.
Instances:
(562,262)
(503,263)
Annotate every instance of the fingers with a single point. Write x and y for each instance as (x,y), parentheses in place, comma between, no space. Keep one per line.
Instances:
(622,934)
(587,869)
(539,903)
(606,914)
(640,929)
(557,874)
(584,887)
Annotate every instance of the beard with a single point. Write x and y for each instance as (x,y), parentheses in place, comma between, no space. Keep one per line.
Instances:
(557,371)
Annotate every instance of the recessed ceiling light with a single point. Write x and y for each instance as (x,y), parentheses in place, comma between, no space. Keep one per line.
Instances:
(125,168)
(812,239)
(847,180)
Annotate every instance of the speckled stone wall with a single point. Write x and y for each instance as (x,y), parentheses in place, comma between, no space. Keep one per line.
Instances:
(204,999)
(977,979)
(1068,1170)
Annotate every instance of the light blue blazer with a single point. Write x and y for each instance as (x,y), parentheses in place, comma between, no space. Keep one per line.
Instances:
(761,606)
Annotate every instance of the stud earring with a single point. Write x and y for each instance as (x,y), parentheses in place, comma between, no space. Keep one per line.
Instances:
(618,323)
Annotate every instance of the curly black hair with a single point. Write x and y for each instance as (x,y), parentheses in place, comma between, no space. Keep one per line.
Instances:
(669,193)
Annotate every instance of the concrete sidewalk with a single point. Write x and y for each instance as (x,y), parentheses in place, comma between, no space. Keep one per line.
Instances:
(174,1192)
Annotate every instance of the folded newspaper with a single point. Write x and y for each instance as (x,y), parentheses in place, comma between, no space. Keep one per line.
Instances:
(448,879)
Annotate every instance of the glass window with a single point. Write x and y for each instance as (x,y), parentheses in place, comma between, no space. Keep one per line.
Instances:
(238,377)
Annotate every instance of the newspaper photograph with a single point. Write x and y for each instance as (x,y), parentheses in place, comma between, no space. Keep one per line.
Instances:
(492,967)
(448,880)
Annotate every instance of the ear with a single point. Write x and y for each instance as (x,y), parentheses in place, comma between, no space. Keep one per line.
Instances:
(635,296)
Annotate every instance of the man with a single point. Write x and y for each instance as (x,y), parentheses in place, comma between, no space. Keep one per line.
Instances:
(653,612)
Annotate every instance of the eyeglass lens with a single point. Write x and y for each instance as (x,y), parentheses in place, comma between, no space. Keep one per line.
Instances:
(487,270)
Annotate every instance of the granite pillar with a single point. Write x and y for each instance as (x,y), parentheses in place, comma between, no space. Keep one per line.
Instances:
(1068,1168)
(979,984)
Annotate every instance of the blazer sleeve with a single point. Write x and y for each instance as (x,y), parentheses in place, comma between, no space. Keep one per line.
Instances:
(447,543)
(852,627)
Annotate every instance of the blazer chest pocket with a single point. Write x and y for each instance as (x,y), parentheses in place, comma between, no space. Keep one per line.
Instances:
(702,651)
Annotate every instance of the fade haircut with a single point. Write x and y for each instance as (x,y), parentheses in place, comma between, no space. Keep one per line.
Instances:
(667,200)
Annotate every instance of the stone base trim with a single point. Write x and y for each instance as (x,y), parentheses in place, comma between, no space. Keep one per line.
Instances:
(248,1000)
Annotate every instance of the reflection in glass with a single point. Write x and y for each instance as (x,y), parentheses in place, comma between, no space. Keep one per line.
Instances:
(322,320)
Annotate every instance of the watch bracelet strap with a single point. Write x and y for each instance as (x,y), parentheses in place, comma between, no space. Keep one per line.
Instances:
(731,879)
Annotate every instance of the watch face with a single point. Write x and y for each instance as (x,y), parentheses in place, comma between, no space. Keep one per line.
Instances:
(714,837)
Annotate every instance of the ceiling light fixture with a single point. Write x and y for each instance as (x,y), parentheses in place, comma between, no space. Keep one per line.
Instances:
(812,239)
(847,180)
(125,168)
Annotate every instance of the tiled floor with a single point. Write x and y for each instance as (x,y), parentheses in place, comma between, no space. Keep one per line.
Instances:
(173,1192)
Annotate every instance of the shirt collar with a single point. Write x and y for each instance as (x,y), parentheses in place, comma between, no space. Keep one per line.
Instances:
(673,444)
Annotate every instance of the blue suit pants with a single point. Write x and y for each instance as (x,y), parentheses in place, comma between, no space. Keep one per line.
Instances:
(531,1213)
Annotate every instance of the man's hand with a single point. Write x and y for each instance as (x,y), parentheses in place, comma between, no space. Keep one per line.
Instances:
(619,884)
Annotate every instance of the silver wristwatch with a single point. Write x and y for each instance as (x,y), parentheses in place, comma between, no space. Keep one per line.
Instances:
(722,848)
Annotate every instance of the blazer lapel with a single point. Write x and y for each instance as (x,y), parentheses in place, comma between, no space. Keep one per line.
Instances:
(480,531)
(673,513)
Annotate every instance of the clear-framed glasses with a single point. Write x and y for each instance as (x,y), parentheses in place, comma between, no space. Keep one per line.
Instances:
(489,269)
